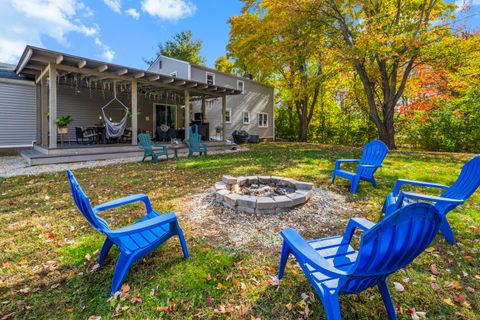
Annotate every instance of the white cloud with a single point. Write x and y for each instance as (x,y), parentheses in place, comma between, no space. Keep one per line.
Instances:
(465,5)
(108,54)
(25,22)
(115,5)
(169,9)
(133,13)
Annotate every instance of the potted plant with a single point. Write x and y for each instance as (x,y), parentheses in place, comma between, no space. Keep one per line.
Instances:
(62,124)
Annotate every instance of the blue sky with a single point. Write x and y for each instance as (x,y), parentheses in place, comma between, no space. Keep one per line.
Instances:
(123,31)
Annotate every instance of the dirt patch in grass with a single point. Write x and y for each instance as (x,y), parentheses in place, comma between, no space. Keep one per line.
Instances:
(323,215)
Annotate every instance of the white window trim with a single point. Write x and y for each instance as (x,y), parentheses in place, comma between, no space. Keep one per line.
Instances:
(243,118)
(230,113)
(209,74)
(258,118)
(174,74)
(243,85)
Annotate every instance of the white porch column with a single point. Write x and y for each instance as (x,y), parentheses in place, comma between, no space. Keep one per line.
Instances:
(52,105)
(187,113)
(224,118)
(134,112)
(44,112)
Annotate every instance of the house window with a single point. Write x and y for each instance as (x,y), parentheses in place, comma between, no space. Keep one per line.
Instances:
(160,64)
(263,120)
(240,86)
(210,78)
(174,74)
(228,116)
(246,117)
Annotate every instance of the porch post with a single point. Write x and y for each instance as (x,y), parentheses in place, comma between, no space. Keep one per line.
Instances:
(44,112)
(52,105)
(204,112)
(224,120)
(134,112)
(187,113)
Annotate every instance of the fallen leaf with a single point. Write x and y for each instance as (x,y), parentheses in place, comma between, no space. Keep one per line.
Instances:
(136,300)
(209,301)
(398,286)
(448,301)
(162,309)
(434,270)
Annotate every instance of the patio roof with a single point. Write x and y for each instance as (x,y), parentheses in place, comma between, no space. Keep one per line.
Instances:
(35,62)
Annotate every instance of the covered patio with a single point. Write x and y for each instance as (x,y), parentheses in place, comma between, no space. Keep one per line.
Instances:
(62,77)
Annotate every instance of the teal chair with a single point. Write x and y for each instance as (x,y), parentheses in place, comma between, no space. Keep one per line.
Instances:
(194,142)
(145,143)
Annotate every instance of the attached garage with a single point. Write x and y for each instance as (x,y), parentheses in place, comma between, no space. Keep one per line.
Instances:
(18,109)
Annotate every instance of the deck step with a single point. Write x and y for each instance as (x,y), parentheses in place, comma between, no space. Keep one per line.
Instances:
(35,157)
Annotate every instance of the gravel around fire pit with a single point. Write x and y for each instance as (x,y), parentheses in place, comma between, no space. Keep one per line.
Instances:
(325,214)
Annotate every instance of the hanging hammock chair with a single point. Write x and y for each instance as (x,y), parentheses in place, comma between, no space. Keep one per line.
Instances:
(114,130)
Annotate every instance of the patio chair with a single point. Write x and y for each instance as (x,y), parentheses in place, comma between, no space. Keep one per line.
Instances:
(194,143)
(145,143)
(333,267)
(467,182)
(85,136)
(134,241)
(373,154)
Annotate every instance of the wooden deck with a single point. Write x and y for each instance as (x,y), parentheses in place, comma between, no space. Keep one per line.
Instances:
(78,153)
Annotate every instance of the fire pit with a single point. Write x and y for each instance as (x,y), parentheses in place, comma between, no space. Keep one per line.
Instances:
(260,194)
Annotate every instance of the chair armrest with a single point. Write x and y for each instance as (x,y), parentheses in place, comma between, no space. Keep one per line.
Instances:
(340,161)
(124,201)
(370,165)
(347,160)
(304,251)
(401,182)
(356,223)
(424,197)
(144,225)
(162,147)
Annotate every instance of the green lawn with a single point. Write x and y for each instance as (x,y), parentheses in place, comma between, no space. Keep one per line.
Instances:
(47,248)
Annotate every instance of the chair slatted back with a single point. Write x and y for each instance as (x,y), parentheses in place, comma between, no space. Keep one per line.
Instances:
(194,139)
(144,141)
(467,182)
(373,153)
(83,204)
(392,244)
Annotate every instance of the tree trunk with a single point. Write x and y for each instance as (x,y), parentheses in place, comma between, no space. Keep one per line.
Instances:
(304,121)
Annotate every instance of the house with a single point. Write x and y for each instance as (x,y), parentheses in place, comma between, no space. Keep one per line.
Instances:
(46,85)
(252,110)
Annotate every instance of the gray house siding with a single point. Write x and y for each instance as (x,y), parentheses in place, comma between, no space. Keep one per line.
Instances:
(17,113)
(257,98)
(169,66)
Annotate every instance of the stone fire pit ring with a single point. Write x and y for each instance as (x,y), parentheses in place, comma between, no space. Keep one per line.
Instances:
(298,193)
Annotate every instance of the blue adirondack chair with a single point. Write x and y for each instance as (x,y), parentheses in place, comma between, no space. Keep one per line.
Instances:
(145,143)
(333,267)
(467,182)
(133,241)
(373,154)
(194,142)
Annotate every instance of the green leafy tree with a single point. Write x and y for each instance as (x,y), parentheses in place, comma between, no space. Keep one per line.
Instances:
(271,40)
(182,47)
(383,41)
(224,64)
